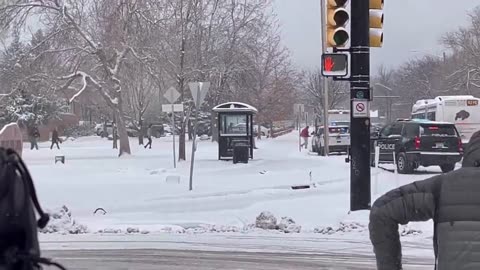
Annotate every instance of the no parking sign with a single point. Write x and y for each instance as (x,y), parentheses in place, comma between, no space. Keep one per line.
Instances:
(360,108)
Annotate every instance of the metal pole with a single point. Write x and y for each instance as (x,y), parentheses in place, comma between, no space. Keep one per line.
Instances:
(299,141)
(194,147)
(325,81)
(173,133)
(360,173)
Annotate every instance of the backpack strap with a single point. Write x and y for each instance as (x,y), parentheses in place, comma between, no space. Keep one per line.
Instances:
(436,195)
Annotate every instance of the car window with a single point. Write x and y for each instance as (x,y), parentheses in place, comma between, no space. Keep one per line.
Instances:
(396,129)
(411,131)
(437,130)
(385,131)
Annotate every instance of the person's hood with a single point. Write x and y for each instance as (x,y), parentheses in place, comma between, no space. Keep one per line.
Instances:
(471,157)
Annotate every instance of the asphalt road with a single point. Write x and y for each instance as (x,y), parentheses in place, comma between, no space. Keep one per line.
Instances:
(149,259)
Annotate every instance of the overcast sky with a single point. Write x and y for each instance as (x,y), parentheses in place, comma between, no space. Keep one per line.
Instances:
(412,28)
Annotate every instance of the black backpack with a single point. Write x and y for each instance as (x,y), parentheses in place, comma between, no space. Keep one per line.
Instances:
(19,247)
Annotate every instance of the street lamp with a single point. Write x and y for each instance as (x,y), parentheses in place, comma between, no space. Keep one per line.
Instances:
(384,86)
(444,55)
(388,99)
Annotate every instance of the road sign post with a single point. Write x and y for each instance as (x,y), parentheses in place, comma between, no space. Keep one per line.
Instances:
(324,30)
(199,91)
(172,95)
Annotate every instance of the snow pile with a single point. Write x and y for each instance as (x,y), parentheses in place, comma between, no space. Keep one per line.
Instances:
(175,229)
(268,221)
(288,225)
(344,227)
(208,228)
(408,231)
(61,221)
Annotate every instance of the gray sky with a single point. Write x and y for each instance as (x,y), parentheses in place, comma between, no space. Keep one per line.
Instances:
(412,28)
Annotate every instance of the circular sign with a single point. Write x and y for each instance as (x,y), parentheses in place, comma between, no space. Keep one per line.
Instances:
(360,107)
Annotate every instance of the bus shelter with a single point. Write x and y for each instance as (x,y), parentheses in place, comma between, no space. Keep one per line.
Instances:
(235,131)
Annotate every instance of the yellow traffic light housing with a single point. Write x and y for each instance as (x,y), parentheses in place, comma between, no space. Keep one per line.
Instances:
(337,19)
(376,23)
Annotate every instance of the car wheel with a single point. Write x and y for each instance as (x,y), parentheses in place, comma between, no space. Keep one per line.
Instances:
(403,166)
(447,167)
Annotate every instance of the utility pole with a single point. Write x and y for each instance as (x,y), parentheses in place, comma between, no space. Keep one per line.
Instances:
(360,92)
(325,80)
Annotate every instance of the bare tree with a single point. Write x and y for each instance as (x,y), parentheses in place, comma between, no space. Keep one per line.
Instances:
(94,38)
(312,83)
(139,94)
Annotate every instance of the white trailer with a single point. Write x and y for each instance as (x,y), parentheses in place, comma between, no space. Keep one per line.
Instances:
(463,111)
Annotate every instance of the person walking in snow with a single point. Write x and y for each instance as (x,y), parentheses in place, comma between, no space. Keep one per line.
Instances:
(452,200)
(55,138)
(33,136)
(149,137)
(304,134)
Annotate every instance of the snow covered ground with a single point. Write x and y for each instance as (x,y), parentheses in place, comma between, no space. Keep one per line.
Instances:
(225,200)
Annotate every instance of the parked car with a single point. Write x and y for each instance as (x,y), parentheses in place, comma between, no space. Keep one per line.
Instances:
(242,127)
(339,139)
(158,130)
(104,132)
(417,143)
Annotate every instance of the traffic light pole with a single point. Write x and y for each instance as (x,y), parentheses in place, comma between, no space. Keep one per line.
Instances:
(360,92)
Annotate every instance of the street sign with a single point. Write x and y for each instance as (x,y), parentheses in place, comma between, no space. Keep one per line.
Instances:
(168,108)
(360,108)
(199,91)
(298,108)
(334,64)
(171,95)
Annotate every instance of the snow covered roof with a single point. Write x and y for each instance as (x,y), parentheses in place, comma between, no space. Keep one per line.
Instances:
(426,121)
(234,107)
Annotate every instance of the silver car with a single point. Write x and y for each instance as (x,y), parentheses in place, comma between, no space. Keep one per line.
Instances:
(339,139)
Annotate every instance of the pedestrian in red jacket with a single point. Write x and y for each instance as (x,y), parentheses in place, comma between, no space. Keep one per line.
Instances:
(304,134)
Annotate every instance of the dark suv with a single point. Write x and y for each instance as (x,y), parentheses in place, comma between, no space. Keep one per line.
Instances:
(418,143)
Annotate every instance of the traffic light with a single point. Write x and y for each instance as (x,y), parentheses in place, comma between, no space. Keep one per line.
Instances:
(334,64)
(337,18)
(376,23)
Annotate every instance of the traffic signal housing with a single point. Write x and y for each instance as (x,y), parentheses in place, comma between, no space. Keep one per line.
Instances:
(376,23)
(337,18)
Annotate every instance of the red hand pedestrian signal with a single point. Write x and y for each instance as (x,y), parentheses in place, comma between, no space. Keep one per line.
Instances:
(329,64)
(334,64)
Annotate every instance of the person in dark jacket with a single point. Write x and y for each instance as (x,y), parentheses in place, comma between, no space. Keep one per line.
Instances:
(149,137)
(55,138)
(452,200)
(33,136)
(304,134)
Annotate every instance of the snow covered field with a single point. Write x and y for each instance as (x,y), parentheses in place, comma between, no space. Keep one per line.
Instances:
(226,198)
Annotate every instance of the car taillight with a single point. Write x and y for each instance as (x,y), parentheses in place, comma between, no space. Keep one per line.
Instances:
(460,145)
(417,142)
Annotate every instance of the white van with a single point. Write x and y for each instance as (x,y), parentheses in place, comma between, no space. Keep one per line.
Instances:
(463,111)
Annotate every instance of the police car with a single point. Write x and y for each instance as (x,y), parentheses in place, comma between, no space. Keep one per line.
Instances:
(418,143)
(339,139)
